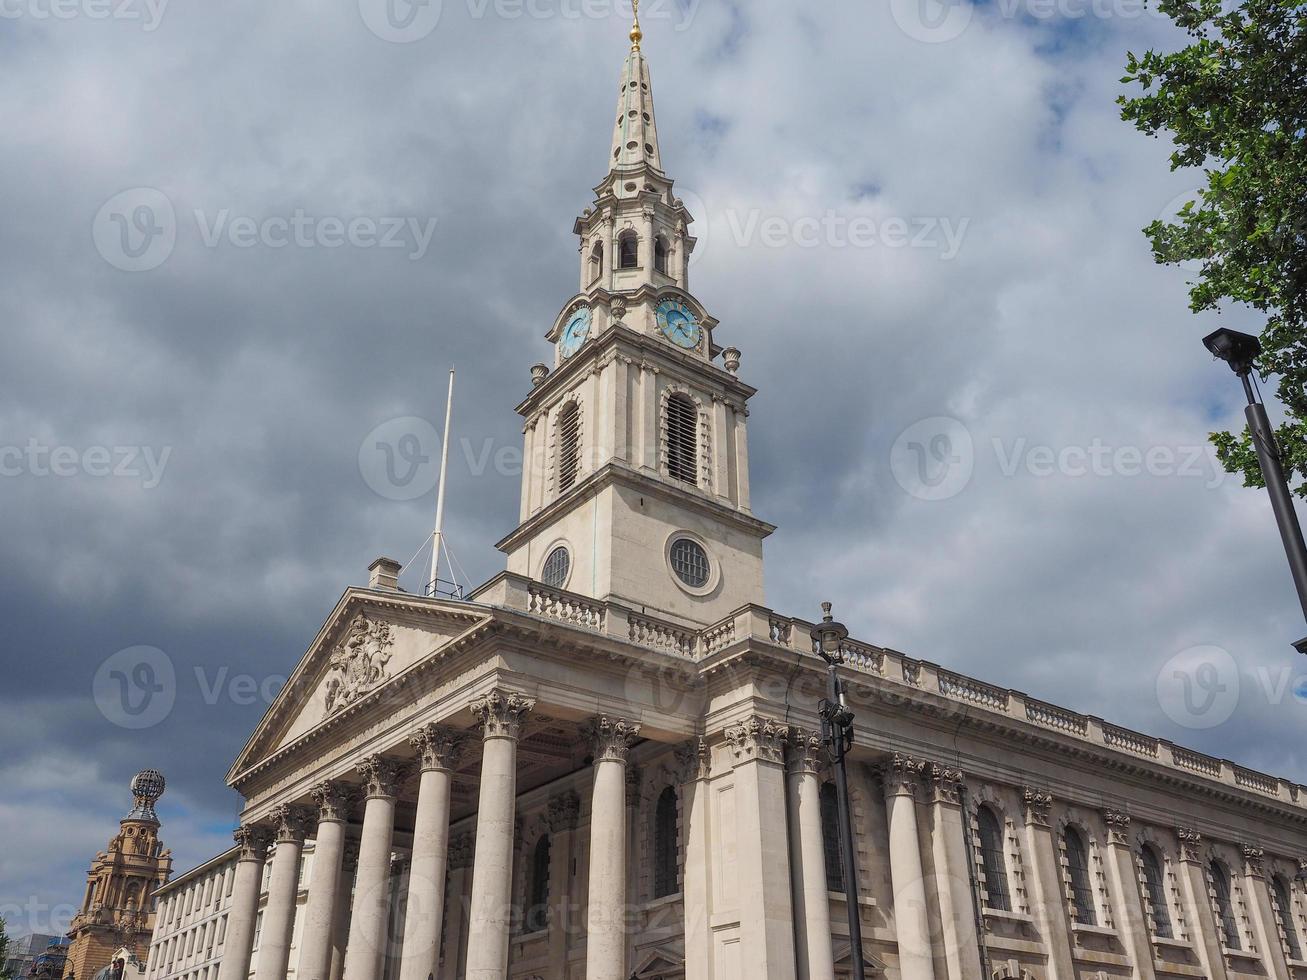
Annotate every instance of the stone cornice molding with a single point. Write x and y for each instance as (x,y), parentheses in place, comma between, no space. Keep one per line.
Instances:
(382,777)
(501,713)
(438,748)
(290,823)
(252,842)
(902,775)
(563,812)
(1037,804)
(1191,842)
(332,798)
(1118,826)
(758,739)
(610,738)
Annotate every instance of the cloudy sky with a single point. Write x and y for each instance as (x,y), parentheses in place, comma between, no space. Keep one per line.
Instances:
(240,237)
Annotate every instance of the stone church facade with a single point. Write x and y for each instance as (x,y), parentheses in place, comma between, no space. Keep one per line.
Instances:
(604,764)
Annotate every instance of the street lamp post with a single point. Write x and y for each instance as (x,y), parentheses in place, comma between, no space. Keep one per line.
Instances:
(1239,350)
(837,733)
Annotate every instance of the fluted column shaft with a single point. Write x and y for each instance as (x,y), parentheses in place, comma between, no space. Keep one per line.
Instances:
(437,750)
(606,912)
(366,953)
(239,941)
(501,714)
(812,926)
(902,781)
(324,885)
(283,888)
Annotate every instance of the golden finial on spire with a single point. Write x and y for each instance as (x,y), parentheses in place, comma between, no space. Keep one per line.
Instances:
(636,33)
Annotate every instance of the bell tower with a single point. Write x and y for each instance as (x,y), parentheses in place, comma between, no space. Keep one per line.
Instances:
(635,483)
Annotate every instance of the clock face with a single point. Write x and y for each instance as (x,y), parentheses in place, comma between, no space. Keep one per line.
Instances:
(575,333)
(678,324)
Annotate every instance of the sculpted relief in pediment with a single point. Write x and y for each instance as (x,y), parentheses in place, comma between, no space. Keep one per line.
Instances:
(359,664)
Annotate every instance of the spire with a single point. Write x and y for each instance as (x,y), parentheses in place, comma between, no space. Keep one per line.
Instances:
(635,134)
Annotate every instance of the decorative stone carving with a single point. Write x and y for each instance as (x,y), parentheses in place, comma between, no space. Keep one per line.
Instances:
(617,308)
(902,775)
(1253,857)
(562,812)
(253,842)
(758,738)
(290,823)
(731,359)
(381,776)
(1118,826)
(1037,804)
(332,800)
(360,662)
(437,747)
(610,738)
(461,851)
(538,374)
(946,784)
(1190,842)
(807,752)
(501,713)
(693,760)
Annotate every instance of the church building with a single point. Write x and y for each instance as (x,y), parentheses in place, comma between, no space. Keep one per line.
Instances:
(604,763)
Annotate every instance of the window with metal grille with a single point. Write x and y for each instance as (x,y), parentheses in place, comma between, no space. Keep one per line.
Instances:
(665,844)
(1082,889)
(1155,880)
(1284,908)
(660,255)
(683,439)
(628,251)
(556,567)
(537,911)
(690,563)
(830,837)
(993,860)
(1224,905)
(569,445)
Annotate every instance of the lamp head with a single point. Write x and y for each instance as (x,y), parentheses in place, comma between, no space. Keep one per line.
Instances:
(830,637)
(1239,350)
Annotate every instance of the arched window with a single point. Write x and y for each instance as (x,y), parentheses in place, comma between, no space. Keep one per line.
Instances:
(666,848)
(993,860)
(596,260)
(683,439)
(628,250)
(830,834)
(1224,905)
(1284,908)
(1082,889)
(1155,880)
(569,445)
(537,909)
(660,254)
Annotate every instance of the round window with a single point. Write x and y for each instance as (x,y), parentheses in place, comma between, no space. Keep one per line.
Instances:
(690,563)
(557,565)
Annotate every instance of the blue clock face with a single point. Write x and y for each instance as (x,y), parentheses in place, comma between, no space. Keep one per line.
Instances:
(678,324)
(576,332)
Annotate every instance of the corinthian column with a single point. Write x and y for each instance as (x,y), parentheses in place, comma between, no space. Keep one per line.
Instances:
(501,714)
(283,888)
(1193,876)
(605,958)
(1128,901)
(253,844)
(952,875)
(902,779)
(1046,886)
(437,751)
(366,953)
(812,933)
(324,884)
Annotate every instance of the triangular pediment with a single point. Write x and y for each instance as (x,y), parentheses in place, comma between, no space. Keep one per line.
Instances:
(372,639)
(844,959)
(662,961)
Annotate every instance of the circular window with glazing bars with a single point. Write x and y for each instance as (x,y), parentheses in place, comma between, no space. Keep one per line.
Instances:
(690,563)
(557,565)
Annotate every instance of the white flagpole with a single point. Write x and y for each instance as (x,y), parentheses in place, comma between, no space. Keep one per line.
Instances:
(440,494)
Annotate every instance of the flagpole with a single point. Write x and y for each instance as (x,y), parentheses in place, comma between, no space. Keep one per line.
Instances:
(437,534)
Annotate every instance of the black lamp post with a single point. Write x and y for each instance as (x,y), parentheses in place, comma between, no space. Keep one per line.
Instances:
(837,733)
(1239,350)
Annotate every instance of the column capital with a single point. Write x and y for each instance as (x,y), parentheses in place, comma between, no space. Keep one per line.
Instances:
(501,713)
(290,823)
(1191,841)
(946,784)
(332,799)
(1253,856)
(1037,803)
(382,776)
(758,738)
(563,811)
(1118,826)
(693,759)
(610,738)
(807,754)
(902,775)
(253,841)
(437,747)
(461,850)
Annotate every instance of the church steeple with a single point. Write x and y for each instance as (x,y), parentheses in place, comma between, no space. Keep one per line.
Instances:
(635,133)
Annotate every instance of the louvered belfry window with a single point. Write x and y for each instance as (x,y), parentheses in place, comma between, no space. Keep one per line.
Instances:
(683,439)
(569,445)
